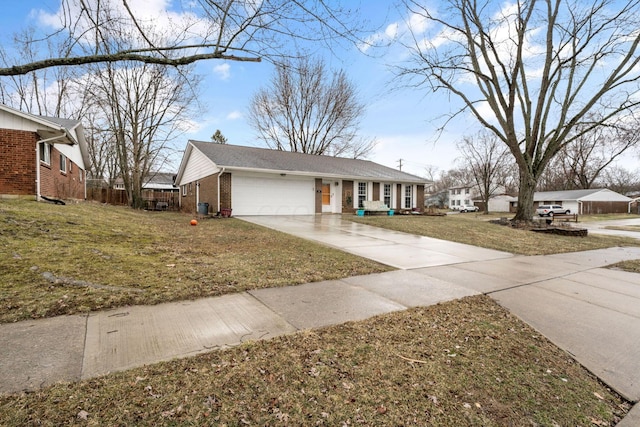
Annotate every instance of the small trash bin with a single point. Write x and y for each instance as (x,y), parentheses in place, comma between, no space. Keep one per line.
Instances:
(390,212)
(203,208)
(360,212)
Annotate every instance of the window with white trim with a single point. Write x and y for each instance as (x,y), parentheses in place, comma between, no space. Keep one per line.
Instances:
(63,163)
(45,153)
(407,197)
(362,193)
(387,195)
(184,190)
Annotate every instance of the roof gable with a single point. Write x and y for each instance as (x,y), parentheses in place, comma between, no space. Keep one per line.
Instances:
(267,160)
(584,194)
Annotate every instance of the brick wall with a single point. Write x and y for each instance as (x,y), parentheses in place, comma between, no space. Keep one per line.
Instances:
(208,193)
(60,184)
(225,191)
(18,174)
(17,162)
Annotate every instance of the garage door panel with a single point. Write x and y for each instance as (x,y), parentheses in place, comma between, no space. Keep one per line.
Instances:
(264,195)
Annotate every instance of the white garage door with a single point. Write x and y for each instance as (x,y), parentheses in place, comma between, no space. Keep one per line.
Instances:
(268,195)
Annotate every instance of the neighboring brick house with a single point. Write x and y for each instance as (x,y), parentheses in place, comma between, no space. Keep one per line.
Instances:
(41,156)
(259,181)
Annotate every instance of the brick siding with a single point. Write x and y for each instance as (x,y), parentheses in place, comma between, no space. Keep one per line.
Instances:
(17,169)
(17,163)
(208,193)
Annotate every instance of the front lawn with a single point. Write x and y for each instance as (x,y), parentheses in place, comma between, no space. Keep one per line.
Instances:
(475,229)
(76,258)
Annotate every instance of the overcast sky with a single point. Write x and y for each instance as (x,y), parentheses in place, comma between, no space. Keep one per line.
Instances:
(403,121)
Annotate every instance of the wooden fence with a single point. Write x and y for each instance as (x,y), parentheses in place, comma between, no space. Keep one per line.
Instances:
(153,200)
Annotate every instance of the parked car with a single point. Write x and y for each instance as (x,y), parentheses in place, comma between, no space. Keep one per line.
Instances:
(551,210)
(467,208)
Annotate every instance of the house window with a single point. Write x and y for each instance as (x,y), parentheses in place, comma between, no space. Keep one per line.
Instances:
(63,163)
(45,153)
(466,191)
(387,195)
(466,202)
(407,197)
(362,193)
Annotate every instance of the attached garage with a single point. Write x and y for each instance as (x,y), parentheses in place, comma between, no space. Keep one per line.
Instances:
(259,194)
(258,181)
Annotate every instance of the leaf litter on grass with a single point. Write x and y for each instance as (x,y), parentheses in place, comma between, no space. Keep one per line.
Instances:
(129,257)
(465,363)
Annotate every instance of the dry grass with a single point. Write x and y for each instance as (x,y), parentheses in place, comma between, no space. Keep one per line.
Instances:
(67,259)
(462,363)
(474,229)
(631,266)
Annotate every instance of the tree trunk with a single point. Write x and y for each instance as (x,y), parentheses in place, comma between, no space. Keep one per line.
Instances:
(527,187)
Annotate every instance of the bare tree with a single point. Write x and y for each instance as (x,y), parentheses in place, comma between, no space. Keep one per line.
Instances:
(621,180)
(531,72)
(487,160)
(144,108)
(585,158)
(237,30)
(307,109)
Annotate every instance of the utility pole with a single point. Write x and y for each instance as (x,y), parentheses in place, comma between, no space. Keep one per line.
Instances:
(400,164)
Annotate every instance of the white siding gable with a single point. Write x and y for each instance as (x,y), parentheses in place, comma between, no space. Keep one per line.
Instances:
(605,195)
(198,166)
(15,122)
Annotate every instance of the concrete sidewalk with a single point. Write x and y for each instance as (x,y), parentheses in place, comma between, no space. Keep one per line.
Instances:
(591,312)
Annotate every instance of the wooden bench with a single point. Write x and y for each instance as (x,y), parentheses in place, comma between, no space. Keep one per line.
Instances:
(372,207)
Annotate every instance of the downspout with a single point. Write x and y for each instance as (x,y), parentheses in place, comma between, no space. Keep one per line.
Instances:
(42,141)
(197,195)
(219,175)
(37,171)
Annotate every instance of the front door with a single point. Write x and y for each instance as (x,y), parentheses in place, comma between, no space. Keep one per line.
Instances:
(326,194)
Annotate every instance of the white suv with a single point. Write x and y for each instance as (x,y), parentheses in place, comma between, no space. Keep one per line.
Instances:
(551,210)
(467,208)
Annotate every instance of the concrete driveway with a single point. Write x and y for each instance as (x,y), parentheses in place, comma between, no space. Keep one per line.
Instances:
(399,250)
(600,227)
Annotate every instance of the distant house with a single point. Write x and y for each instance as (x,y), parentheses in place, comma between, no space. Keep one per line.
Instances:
(41,156)
(468,195)
(156,181)
(258,181)
(590,201)
(462,195)
(160,182)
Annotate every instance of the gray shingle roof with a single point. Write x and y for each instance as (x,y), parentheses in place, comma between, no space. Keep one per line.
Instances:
(235,156)
(68,124)
(564,194)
